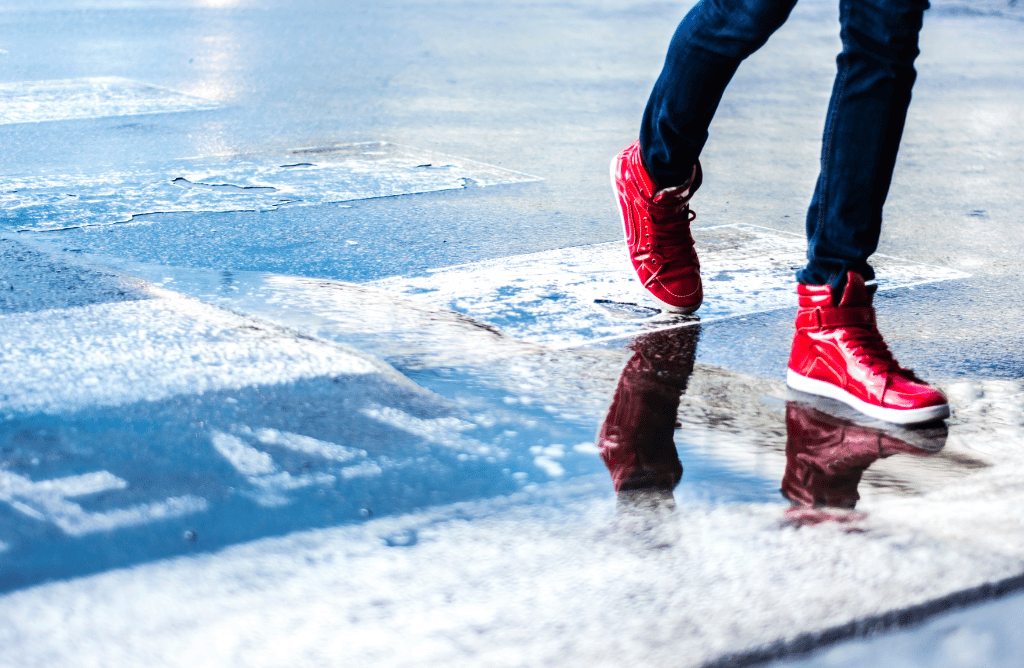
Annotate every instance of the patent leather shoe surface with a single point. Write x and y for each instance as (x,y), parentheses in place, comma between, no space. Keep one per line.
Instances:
(657,231)
(839,353)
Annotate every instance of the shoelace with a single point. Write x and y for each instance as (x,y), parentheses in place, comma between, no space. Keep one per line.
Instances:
(871,349)
(673,235)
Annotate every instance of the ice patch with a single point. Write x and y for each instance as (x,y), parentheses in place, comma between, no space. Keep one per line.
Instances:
(562,298)
(112,354)
(96,97)
(238,183)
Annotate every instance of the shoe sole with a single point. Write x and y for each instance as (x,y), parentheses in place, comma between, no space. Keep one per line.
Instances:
(682,310)
(894,415)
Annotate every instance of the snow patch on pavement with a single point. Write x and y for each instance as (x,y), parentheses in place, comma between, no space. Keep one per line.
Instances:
(112,354)
(95,97)
(551,576)
(568,297)
(301,176)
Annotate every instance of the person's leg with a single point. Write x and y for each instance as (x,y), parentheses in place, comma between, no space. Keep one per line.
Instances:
(863,128)
(655,177)
(837,350)
(707,48)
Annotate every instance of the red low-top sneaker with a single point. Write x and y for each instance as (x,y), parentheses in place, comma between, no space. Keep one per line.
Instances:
(838,353)
(657,226)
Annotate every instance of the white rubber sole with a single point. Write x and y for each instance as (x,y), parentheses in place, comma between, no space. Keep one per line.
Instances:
(896,416)
(625,237)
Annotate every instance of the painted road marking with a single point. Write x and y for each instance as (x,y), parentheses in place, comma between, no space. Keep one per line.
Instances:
(270,483)
(47,500)
(308,445)
(586,294)
(296,177)
(97,97)
(439,431)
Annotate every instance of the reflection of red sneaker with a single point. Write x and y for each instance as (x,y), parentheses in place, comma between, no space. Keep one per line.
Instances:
(838,353)
(657,227)
(636,436)
(826,456)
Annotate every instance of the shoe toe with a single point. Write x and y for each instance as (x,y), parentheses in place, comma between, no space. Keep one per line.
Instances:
(905,394)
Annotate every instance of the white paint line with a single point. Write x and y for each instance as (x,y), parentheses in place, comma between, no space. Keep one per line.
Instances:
(47,501)
(97,97)
(297,177)
(269,482)
(440,431)
(309,445)
(555,297)
(534,579)
(246,459)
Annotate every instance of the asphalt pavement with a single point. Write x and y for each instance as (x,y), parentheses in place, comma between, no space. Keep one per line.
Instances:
(311,315)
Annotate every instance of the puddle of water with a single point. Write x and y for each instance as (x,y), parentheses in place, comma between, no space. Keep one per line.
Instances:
(469,457)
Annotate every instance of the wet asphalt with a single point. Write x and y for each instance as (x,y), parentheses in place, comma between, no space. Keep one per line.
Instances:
(230,378)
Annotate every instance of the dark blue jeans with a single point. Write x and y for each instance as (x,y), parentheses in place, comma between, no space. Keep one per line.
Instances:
(862,131)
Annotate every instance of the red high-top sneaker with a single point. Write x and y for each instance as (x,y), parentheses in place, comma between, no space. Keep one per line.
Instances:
(657,226)
(838,353)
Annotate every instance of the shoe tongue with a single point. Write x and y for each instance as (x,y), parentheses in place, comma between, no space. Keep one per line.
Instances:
(856,292)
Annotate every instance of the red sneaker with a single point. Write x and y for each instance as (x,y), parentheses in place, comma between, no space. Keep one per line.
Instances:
(657,226)
(838,353)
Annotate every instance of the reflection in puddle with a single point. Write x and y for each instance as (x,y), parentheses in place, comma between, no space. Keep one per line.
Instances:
(636,438)
(826,455)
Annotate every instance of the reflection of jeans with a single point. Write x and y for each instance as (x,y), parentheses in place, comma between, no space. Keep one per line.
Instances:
(862,130)
(636,436)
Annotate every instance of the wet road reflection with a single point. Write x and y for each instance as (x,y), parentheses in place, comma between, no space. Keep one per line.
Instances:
(826,455)
(636,438)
